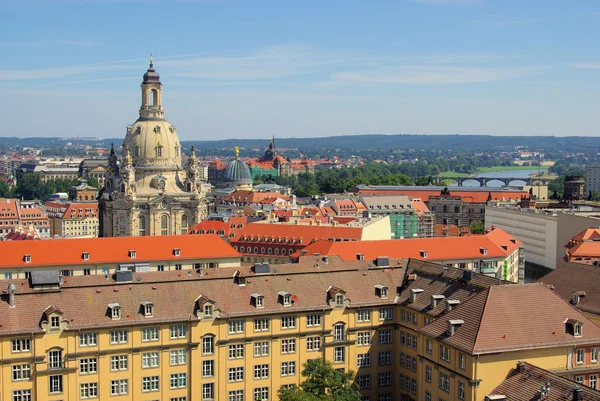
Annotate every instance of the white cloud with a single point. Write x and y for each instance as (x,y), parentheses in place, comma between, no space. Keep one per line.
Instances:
(587,66)
(43,43)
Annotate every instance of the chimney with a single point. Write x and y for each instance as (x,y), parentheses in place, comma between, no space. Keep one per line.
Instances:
(577,394)
(414,293)
(453,324)
(451,304)
(467,275)
(520,366)
(11,295)
(435,299)
(493,227)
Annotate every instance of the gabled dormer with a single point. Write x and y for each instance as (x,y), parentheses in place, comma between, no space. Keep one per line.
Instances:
(577,297)
(381,291)
(336,297)
(239,278)
(27,258)
(205,308)
(574,327)
(257,300)
(52,318)
(85,256)
(147,308)
(114,311)
(132,254)
(285,298)
(176,252)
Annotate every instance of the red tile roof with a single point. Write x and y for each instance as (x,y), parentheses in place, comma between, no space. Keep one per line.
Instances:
(467,196)
(112,250)
(306,233)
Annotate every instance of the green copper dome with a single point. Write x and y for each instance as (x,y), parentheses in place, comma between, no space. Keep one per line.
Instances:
(237,173)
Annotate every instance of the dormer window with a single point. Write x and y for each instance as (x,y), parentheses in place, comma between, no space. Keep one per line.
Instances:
(258,300)
(86,256)
(285,298)
(574,327)
(577,296)
(115,311)
(148,308)
(577,330)
(55,322)
(382,291)
(424,254)
(27,258)
(132,254)
(176,252)
(339,299)
(208,310)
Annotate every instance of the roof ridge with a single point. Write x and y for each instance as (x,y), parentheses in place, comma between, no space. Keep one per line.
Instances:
(488,293)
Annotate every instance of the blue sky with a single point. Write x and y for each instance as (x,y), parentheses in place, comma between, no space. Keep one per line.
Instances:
(252,69)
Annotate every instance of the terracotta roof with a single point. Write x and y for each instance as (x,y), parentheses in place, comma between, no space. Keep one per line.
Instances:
(485,316)
(81,210)
(85,306)
(573,277)
(445,248)
(22,232)
(467,196)
(112,250)
(244,196)
(306,233)
(525,381)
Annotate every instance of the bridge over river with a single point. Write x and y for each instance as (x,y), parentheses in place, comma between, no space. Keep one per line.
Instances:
(483,181)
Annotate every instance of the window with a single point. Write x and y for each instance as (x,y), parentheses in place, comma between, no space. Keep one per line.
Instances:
(261,371)
(56,384)
(55,322)
(88,390)
(260,394)
(313,343)
(580,356)
(594,355)
(148,310)
(236,351)
(184,224)
(594,382)
(119,387)
(236,326)
(118,362)
(429,346)
(580,379)
(178,380)
(208,345)
(150,383)
(339,354)
(88,365)
(385,336)
(339,300)
(150,334)
(142,226)
(21,395)
(577,330)
(363,360)
(363,381)
(118,337)
(313,320)
(384,397)
(288,322)
(385,314)
(461,390)
(236,395)
(179,331)
(428,374)
(288,346)
(21,372)
(261,324)
(55,359)
(363,338)
(427,396)
(21,345)
(115,312)
(208,391)
(462,363)
(150,360)
(208,368)
(444,353)
(236,374)
(444,382)
(339,333)
(384,379)
(364,315)
(385,358)
(177,357)
(164,225)
(261,348)
(288,368)
(208,310)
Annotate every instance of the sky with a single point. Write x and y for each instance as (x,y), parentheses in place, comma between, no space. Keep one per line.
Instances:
(302,68)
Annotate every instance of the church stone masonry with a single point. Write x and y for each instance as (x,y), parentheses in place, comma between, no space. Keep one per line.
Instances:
(149,192)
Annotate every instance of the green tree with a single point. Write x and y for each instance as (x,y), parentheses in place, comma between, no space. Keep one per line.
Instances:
(93,182)
(477,227)
(322,383)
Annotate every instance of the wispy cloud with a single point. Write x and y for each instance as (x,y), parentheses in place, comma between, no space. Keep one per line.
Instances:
(586,66)
(43,43)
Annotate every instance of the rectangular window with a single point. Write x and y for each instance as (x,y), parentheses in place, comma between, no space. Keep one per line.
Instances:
(288,368)
(88,390)
(236,374)
(236,326)
(260,394)
(118,362)
(208,345)
(313,343)
(179,331)
(56,384)
(118,337)
(462,361)
(150,383)
(55,359)
(178,357)
(119,387)
(150,334)
(150,360)
(339,354)
(384,379)
(21,345)
(261,348)
(385,336)
(208,368)
(363,338)
(363,381)
(261,371)
(364,315)
(208,391)
(236,351)
(414,341)
(363,360)
(427,396)
(580,356)
(594,355)
(313,320)
(21,395)
(385,358)
(580,379)
(88,339)
(385,314)
(288,346)
(594,382)
(288,322)
(428,374)
(444,353)
(178,380)
(461,390)
(429,346)
(21,372)
(55,322)
(261,324)
(444,382)
(236,395)
(88,365)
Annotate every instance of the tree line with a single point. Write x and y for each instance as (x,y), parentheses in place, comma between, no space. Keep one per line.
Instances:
(30,186)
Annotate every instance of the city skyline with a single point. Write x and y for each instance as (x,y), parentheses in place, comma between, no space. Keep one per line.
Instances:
(235,69)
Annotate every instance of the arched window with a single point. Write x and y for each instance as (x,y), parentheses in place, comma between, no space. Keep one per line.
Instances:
(242,249)
(276,251)
(339,333)
(136,151)
(202,232)
(164,225)
(159,151)
(184,224)
(255,249)
(262,250)
(221,232)
(283,251)
(142,226)
(153,97)
(211,231)
(270,251)
(445,209)
(122,226)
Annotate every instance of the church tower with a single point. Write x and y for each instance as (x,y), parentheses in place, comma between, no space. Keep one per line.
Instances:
(149,192)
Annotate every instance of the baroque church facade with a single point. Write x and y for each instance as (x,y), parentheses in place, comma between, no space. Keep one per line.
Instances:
(149,192)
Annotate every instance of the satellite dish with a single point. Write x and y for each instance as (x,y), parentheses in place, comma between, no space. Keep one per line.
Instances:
(294,298)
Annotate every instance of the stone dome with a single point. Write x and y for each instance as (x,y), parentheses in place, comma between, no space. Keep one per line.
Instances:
(237,173)
(153,143)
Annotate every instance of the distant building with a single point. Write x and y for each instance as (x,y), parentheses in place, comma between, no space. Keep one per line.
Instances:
(82,192)
(408,218)
(73,220)
(592,179)
(94,168)
(574,188)
(48,173)
(584,247)
(14,213)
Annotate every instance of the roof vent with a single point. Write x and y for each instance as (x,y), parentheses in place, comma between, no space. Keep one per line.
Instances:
(424,254)
(495,397)
(453,324)
(383,261)
(451,304)
(505,247)
(11,295)
(435,300)
(414,293)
